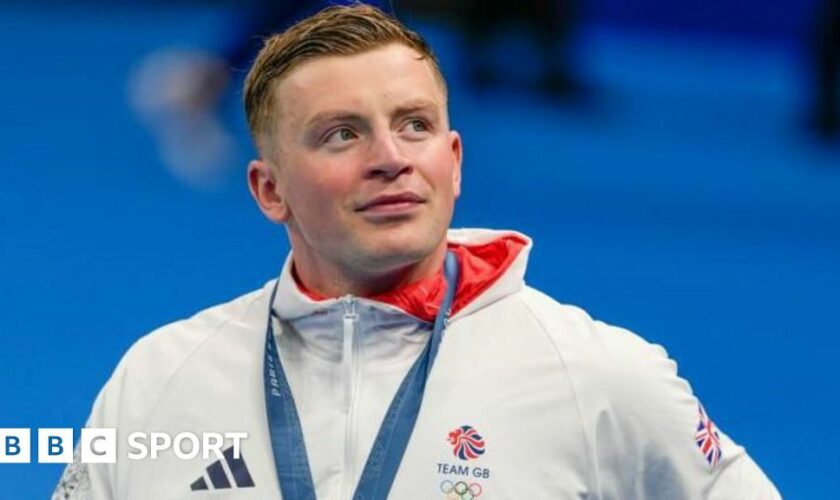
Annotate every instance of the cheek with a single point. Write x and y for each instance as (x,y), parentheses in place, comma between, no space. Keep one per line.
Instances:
(316,195)
(440,167)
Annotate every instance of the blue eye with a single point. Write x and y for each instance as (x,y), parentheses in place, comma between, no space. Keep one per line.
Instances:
(419,126)
(416,128)
(340,135)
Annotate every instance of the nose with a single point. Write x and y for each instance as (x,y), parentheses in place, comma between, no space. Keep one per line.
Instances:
(387,159)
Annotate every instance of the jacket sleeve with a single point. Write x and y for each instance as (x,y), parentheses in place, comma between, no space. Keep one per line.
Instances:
(94,481)
(652,437)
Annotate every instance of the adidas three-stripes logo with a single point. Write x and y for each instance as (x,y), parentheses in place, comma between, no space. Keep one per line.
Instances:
(222,471)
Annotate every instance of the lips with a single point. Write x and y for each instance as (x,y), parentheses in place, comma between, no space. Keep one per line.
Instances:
(393,200)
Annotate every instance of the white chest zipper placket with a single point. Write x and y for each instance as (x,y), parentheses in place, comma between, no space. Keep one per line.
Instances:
(348,382)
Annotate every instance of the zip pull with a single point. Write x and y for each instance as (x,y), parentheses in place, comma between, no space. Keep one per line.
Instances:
(350,317)
(347,365)
(349,306)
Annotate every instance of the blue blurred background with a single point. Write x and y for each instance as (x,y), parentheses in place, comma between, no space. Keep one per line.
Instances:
(680,193)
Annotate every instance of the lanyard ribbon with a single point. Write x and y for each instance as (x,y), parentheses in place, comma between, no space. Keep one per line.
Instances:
(287,442)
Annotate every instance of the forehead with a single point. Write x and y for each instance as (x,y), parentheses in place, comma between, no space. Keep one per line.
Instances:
(386,76)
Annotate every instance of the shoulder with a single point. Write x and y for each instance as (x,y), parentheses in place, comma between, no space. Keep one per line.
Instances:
(627,390)
(609,364)
(170,345)
(599,359)
(147,367)
(572,328)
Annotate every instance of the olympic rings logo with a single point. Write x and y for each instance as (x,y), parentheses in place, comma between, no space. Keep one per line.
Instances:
(460,490)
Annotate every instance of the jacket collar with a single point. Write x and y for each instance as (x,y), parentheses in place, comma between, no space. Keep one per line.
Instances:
(492,267)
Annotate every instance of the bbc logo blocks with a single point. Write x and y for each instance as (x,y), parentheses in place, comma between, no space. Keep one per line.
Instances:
(56,446)
(99,445)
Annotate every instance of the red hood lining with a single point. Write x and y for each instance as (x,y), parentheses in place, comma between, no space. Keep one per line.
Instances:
(481,266)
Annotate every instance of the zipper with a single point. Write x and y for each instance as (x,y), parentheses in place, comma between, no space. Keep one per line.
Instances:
(348,379)
(347,357)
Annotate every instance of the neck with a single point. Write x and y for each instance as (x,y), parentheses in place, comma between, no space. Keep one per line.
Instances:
(330,280)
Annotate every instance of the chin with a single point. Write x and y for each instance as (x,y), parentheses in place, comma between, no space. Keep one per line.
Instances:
(393,251)
(393,257)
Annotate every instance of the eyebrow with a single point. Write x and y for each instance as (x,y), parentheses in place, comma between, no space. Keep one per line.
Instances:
(331,116)
(407,108)
(414,106)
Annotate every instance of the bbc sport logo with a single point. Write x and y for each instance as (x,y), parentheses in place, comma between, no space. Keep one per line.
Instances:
(99,445)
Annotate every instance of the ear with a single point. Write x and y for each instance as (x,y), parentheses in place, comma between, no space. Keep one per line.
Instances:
(266,188)
(457,157)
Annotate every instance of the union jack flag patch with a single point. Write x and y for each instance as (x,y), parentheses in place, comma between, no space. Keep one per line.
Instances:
(707,438)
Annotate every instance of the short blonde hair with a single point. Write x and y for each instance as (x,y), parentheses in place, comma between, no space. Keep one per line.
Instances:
(335,30)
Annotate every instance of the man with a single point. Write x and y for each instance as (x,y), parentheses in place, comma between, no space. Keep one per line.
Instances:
(393,358)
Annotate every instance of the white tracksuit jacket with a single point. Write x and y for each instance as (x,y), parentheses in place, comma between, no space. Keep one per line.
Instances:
(567,407)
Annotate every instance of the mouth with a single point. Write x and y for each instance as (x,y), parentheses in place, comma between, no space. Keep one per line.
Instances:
(391,204)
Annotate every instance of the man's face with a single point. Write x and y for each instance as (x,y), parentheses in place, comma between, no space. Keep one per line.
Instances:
(366,165)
